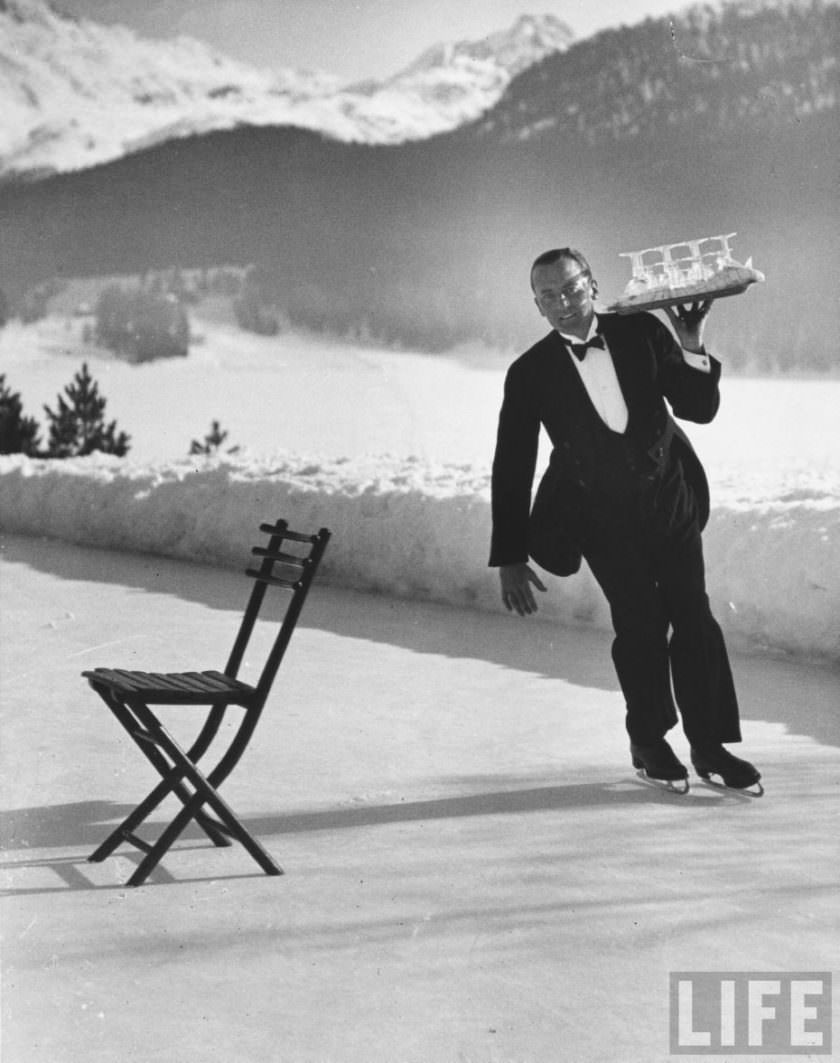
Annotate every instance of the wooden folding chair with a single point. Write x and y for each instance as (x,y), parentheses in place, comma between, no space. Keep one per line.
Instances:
(130,695)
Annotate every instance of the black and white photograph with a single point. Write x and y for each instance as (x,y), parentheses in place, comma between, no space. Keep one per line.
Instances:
(419,531)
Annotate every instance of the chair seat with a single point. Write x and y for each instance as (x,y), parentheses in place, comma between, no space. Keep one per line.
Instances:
(174,688)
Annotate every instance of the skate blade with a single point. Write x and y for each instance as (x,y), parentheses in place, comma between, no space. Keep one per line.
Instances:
(670,786)
(755,789)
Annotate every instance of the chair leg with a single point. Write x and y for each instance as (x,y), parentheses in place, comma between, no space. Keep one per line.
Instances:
(124,831)
(204,793)
(171,783)
(157,745)
(205,787)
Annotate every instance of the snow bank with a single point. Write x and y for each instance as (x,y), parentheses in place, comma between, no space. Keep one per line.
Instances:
(412,528)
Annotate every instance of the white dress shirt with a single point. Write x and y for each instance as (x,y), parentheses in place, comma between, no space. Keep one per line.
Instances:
(601,382)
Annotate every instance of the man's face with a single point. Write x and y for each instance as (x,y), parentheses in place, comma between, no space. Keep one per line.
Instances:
(563,294)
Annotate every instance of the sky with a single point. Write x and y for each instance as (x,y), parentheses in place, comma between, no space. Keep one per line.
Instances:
(351,39)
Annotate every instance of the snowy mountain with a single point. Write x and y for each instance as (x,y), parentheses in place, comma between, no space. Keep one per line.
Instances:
(449,84)
(77,93)
(750,64)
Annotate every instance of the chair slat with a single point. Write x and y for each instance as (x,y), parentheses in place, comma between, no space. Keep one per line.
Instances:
(106,677)
(137,842)
(292,536)
(181,681)
(191,684)
(200,681)
(278,555)
(275,581)
(132,680)
(213,683)
(163,681)
(229,683)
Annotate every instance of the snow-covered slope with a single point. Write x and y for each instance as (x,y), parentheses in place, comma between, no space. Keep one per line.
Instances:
(76,93)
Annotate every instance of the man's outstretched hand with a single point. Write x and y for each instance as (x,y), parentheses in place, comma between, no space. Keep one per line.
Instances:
(689,322)
(516,583)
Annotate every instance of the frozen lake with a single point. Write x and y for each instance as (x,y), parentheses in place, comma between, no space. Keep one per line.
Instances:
(392,450)
(473,872)
(334,399)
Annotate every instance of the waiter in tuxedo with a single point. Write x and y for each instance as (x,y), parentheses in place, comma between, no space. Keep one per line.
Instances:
(625,491)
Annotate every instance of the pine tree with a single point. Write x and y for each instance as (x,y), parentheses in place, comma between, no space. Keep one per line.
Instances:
(18,434)
(253,306)
(143,323)
(111,315)
(78,426)
(212,441)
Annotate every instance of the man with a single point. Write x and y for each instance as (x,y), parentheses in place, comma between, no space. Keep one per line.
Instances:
(625,490)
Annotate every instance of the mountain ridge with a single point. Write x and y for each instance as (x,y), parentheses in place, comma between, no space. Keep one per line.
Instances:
(78,93)
(762,63)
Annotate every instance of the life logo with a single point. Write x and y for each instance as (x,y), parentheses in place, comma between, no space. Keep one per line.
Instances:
(750,1013)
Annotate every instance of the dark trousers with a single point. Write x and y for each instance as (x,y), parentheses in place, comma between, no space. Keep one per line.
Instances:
(644,548)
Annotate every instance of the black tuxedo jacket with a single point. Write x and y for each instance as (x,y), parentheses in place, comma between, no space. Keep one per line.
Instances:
(543,388)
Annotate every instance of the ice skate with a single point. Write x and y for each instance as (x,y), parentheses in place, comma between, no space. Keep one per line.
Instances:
(718,767)
(658,764)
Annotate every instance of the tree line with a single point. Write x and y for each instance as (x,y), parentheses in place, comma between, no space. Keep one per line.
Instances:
(148,318)
(76,427)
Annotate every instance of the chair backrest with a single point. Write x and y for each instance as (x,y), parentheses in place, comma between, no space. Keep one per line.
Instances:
(293,569)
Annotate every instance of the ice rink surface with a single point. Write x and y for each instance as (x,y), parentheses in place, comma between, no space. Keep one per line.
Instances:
(472,870)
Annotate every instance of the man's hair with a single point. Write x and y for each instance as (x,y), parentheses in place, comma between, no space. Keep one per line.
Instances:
(548,258)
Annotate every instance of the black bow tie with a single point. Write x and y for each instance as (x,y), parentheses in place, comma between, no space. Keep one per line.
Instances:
(579,349)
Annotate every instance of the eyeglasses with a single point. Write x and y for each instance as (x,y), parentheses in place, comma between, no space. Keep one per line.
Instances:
(571,292)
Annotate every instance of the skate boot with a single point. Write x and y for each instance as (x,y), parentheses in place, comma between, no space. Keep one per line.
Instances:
(657,763)
(734,773)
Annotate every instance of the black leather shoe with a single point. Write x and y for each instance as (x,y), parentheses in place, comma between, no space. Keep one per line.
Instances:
(658,761)
(715,760)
